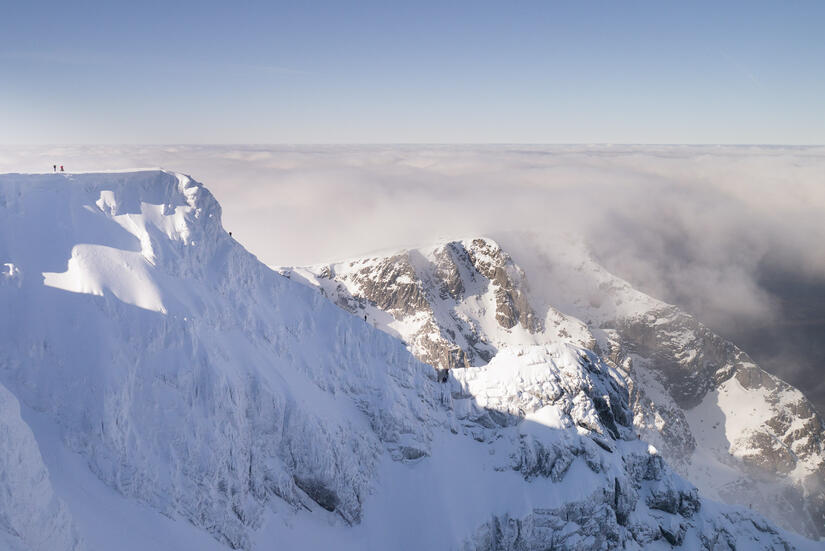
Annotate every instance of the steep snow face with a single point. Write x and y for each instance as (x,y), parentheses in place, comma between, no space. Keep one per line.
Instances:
(741,434)
(31,517)
(189,375)
(186,384)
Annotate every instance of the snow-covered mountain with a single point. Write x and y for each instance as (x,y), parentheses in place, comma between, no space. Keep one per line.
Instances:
(743,436)
(160,388)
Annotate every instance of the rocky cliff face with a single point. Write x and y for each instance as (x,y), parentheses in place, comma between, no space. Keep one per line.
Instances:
(744,436)
(702,394)
(449,303)
(740,434)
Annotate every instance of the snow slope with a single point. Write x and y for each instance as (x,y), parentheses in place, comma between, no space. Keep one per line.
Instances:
(175,393)
(31,516)
(167,374)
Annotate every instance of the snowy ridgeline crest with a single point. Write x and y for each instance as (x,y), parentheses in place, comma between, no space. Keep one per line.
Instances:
(188,377)
(743,435)
(197,387)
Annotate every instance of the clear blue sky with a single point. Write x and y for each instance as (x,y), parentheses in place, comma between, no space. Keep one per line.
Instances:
(391,71)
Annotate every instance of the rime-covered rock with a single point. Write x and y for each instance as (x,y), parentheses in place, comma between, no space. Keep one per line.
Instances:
(742,435)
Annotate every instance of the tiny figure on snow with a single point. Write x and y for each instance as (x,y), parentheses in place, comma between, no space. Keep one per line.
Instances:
(54,167)
(230,234)
(61,168)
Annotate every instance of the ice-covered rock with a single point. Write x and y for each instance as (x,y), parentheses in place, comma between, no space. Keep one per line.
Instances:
(741,434)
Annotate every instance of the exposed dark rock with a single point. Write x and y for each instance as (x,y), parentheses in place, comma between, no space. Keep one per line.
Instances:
(318,492)
(410,453)
(766,453)
(660,337)
(512,305)
(536,460)
(393,286)
(624,501)
(673,532)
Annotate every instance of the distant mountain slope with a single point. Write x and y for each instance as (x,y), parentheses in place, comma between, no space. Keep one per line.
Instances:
(744,436)
(176,387)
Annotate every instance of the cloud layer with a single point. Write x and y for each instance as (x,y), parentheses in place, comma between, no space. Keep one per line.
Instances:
(732,234)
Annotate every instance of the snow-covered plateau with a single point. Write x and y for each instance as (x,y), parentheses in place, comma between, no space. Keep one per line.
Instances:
(160,388)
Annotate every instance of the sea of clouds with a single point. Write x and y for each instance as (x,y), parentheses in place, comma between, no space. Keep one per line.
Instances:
(733,234)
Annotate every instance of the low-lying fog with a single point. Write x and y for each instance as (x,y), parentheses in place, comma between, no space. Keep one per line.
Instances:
(734,235)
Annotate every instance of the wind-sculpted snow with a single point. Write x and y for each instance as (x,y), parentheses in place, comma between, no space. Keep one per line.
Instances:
(202,383)
(147,347)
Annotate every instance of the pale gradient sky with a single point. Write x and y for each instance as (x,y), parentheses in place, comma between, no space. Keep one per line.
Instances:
(426,72)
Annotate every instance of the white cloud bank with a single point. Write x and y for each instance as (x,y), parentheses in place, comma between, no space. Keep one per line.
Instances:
(732,234)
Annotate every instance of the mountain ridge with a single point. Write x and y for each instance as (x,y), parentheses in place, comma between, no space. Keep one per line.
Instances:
(202,393)
(673,362)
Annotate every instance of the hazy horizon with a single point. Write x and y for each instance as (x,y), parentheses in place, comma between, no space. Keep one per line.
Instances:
(732,234)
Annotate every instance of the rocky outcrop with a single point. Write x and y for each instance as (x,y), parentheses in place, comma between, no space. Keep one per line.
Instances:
(427,291)
(782,445)
(690,358)
(512,306)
